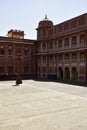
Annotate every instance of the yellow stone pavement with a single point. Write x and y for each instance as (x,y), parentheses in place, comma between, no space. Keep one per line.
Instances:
(27,107)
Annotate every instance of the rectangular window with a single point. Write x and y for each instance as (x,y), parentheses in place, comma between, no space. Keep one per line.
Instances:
(51,32)
(82,21)
(55,42)
(10,51)
(74,40)
(60,57)
(82,38)
(82,56)
(2,50)
(66,26)
(60,28)
(51,45)
(43,45)
(39,59)
(74,56)
(44,32)
(25,51)
(44,59)
(66,56)
(60,43)
(73,24)
(66,42)
(55,30)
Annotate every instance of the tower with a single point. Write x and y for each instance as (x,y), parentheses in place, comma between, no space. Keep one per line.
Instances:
(43,28)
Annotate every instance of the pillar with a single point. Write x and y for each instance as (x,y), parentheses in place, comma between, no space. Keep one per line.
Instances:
(19,68)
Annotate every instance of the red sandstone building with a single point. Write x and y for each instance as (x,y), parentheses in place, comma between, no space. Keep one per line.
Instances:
(60,51)
(12,46)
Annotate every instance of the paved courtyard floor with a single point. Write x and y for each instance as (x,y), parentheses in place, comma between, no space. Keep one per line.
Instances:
(36,105)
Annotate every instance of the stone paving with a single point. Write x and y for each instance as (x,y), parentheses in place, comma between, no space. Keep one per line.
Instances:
(29,107)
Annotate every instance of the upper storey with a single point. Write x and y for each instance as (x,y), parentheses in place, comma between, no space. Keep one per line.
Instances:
(73,25)
(46,29)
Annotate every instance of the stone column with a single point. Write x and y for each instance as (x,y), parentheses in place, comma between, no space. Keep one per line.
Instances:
(63,43)
(19,68)
(78,40)
(6,60)
(70,41)
(78,56)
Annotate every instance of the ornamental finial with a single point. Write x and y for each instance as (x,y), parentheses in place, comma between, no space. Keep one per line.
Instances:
(45,16)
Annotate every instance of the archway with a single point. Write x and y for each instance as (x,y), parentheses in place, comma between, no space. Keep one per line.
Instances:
(60,74)
(74,73)
(67,73)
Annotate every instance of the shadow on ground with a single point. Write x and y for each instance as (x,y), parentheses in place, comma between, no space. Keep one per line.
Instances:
(71,82)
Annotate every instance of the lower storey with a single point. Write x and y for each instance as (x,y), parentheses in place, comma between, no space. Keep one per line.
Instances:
(77,73)
(14,76)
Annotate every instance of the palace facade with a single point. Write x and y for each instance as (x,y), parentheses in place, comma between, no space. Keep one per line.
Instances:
(60,51)
(10,48)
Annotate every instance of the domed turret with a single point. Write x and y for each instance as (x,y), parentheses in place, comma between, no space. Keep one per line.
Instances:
(43,28)
(45,22)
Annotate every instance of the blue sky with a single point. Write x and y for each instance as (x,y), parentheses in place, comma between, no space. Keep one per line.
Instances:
(25,14)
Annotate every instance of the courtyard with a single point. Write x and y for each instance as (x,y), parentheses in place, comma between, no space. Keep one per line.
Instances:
(39,105)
